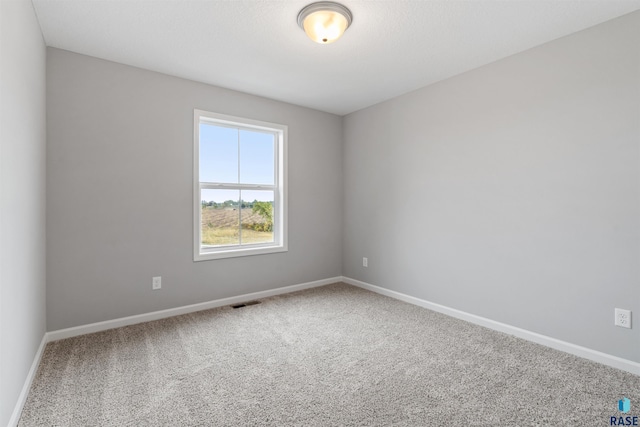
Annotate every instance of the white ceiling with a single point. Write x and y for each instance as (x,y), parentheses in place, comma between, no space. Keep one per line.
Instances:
(255,46)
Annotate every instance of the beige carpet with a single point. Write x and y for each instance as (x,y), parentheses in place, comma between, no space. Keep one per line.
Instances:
(331,356)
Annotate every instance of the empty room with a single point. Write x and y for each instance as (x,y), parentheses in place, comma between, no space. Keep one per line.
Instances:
(298,213)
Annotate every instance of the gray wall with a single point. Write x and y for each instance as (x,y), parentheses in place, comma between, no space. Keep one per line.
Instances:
(511,191)
(119,193)
(22,197)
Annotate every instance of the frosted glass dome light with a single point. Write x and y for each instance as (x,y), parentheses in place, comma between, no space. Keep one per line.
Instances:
(324,21)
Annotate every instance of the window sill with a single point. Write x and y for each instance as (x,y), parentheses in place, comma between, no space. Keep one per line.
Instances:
(239,252)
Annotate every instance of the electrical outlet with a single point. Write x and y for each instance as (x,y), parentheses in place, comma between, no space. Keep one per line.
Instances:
(365,262)
(623,318)
(156,283)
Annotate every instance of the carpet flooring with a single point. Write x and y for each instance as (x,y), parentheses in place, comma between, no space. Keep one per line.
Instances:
(331,356)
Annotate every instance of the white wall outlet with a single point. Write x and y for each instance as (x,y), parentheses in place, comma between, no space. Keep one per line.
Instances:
(156,283)
(623,318)
(365,262)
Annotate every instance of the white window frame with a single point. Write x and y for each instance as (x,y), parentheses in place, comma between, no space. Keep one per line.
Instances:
(279,243)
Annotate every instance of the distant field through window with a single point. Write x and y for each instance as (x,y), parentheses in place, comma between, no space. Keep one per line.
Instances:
(239,188)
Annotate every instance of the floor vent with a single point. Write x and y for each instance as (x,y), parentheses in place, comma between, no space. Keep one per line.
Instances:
(244,304)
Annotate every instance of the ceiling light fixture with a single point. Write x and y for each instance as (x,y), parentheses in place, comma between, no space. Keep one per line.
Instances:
(324,21)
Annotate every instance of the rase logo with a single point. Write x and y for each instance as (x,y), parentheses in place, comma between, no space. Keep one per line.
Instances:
(624,406)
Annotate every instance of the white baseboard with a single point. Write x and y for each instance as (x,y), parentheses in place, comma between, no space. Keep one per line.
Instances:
(163,314)
(22,399)
(576,350)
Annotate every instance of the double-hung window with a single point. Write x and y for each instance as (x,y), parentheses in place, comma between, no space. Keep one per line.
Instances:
(240,193)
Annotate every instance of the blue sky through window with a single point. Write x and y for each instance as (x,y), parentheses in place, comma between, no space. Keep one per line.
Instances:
(218,154)
(230,156)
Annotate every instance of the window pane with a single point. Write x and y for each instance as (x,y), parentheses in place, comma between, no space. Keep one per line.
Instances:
(257,157)
(220,217)
(257,217)
(218,154)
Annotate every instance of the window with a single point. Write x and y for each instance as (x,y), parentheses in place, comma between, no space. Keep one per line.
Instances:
(240,193)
